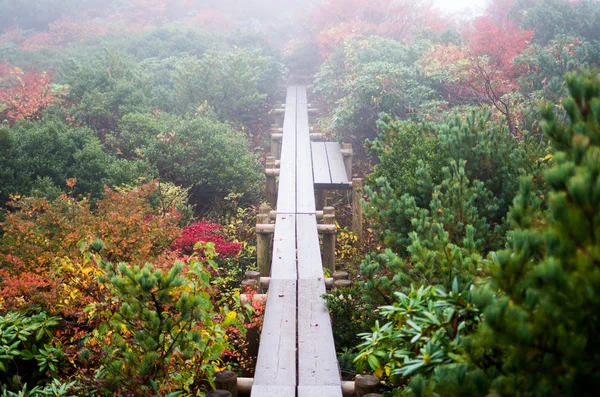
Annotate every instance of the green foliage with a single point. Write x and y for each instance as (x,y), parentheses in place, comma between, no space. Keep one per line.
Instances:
(350,316)
(441,243)
(103,90)
(235,84)
(205,155)
(40,156)
(27,354)
(363,78)
(547,65)
(539,308)
(550,18)
(425,329)
(162,335)
(54,389)
(412,175)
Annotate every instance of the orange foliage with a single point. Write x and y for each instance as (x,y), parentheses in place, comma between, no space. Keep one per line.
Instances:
(210,19)
(40,250)
(24,94)
(329,38)
(65,31)
(397,19)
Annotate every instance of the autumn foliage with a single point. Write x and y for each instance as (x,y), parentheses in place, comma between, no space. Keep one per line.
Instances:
(205,232)
(400,20)
(40,252)
(24,94)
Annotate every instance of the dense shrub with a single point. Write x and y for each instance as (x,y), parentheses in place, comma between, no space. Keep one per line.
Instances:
(366,77)
(235,84)
(205,155)
(105,89)
(162,333)
(205,232)
(527,327)
(40,156)
(40,250)
(410,174)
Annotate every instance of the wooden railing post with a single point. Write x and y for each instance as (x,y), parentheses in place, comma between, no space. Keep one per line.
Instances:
(271,173)
(329,239)
(365,384)
(276,144)
(227,380)
(348,154)
(263,240)
(278,115)
(357,214)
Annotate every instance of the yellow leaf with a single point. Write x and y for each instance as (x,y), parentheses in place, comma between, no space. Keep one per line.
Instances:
(378,373)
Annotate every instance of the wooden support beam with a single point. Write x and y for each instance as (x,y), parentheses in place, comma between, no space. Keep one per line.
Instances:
(273,215)
(329,239)
(256,298)
(321,198)
(342,283)
(357,212)
(340,275)
(348,154)
(329,282)
(249,285)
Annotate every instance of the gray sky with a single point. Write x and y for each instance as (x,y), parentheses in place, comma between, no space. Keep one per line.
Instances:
(475,6)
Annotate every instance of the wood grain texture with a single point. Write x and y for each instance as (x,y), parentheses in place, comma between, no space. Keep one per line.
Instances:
(273,391)
(320,163)
(284,264)
(337,169)
(317,360)
(310,266)
(286,197)
(276,363)
(305,196)
(319,391)
(302,96)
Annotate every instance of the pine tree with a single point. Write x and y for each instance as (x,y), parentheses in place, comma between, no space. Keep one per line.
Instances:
(541,334)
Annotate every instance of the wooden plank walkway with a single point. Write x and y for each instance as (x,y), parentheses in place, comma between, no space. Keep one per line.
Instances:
(297,352)
(328,166)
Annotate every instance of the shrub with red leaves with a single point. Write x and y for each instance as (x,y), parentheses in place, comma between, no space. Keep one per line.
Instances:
(24,94)
(208,233)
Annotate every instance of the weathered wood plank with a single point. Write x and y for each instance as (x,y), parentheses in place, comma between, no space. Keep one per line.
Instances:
(273,391)
(337,169)
(310,266)
(317,361)
(321,174)
(305,197)
(284,264)
(276,363)
(286,196)
(319,391)
(302,97)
